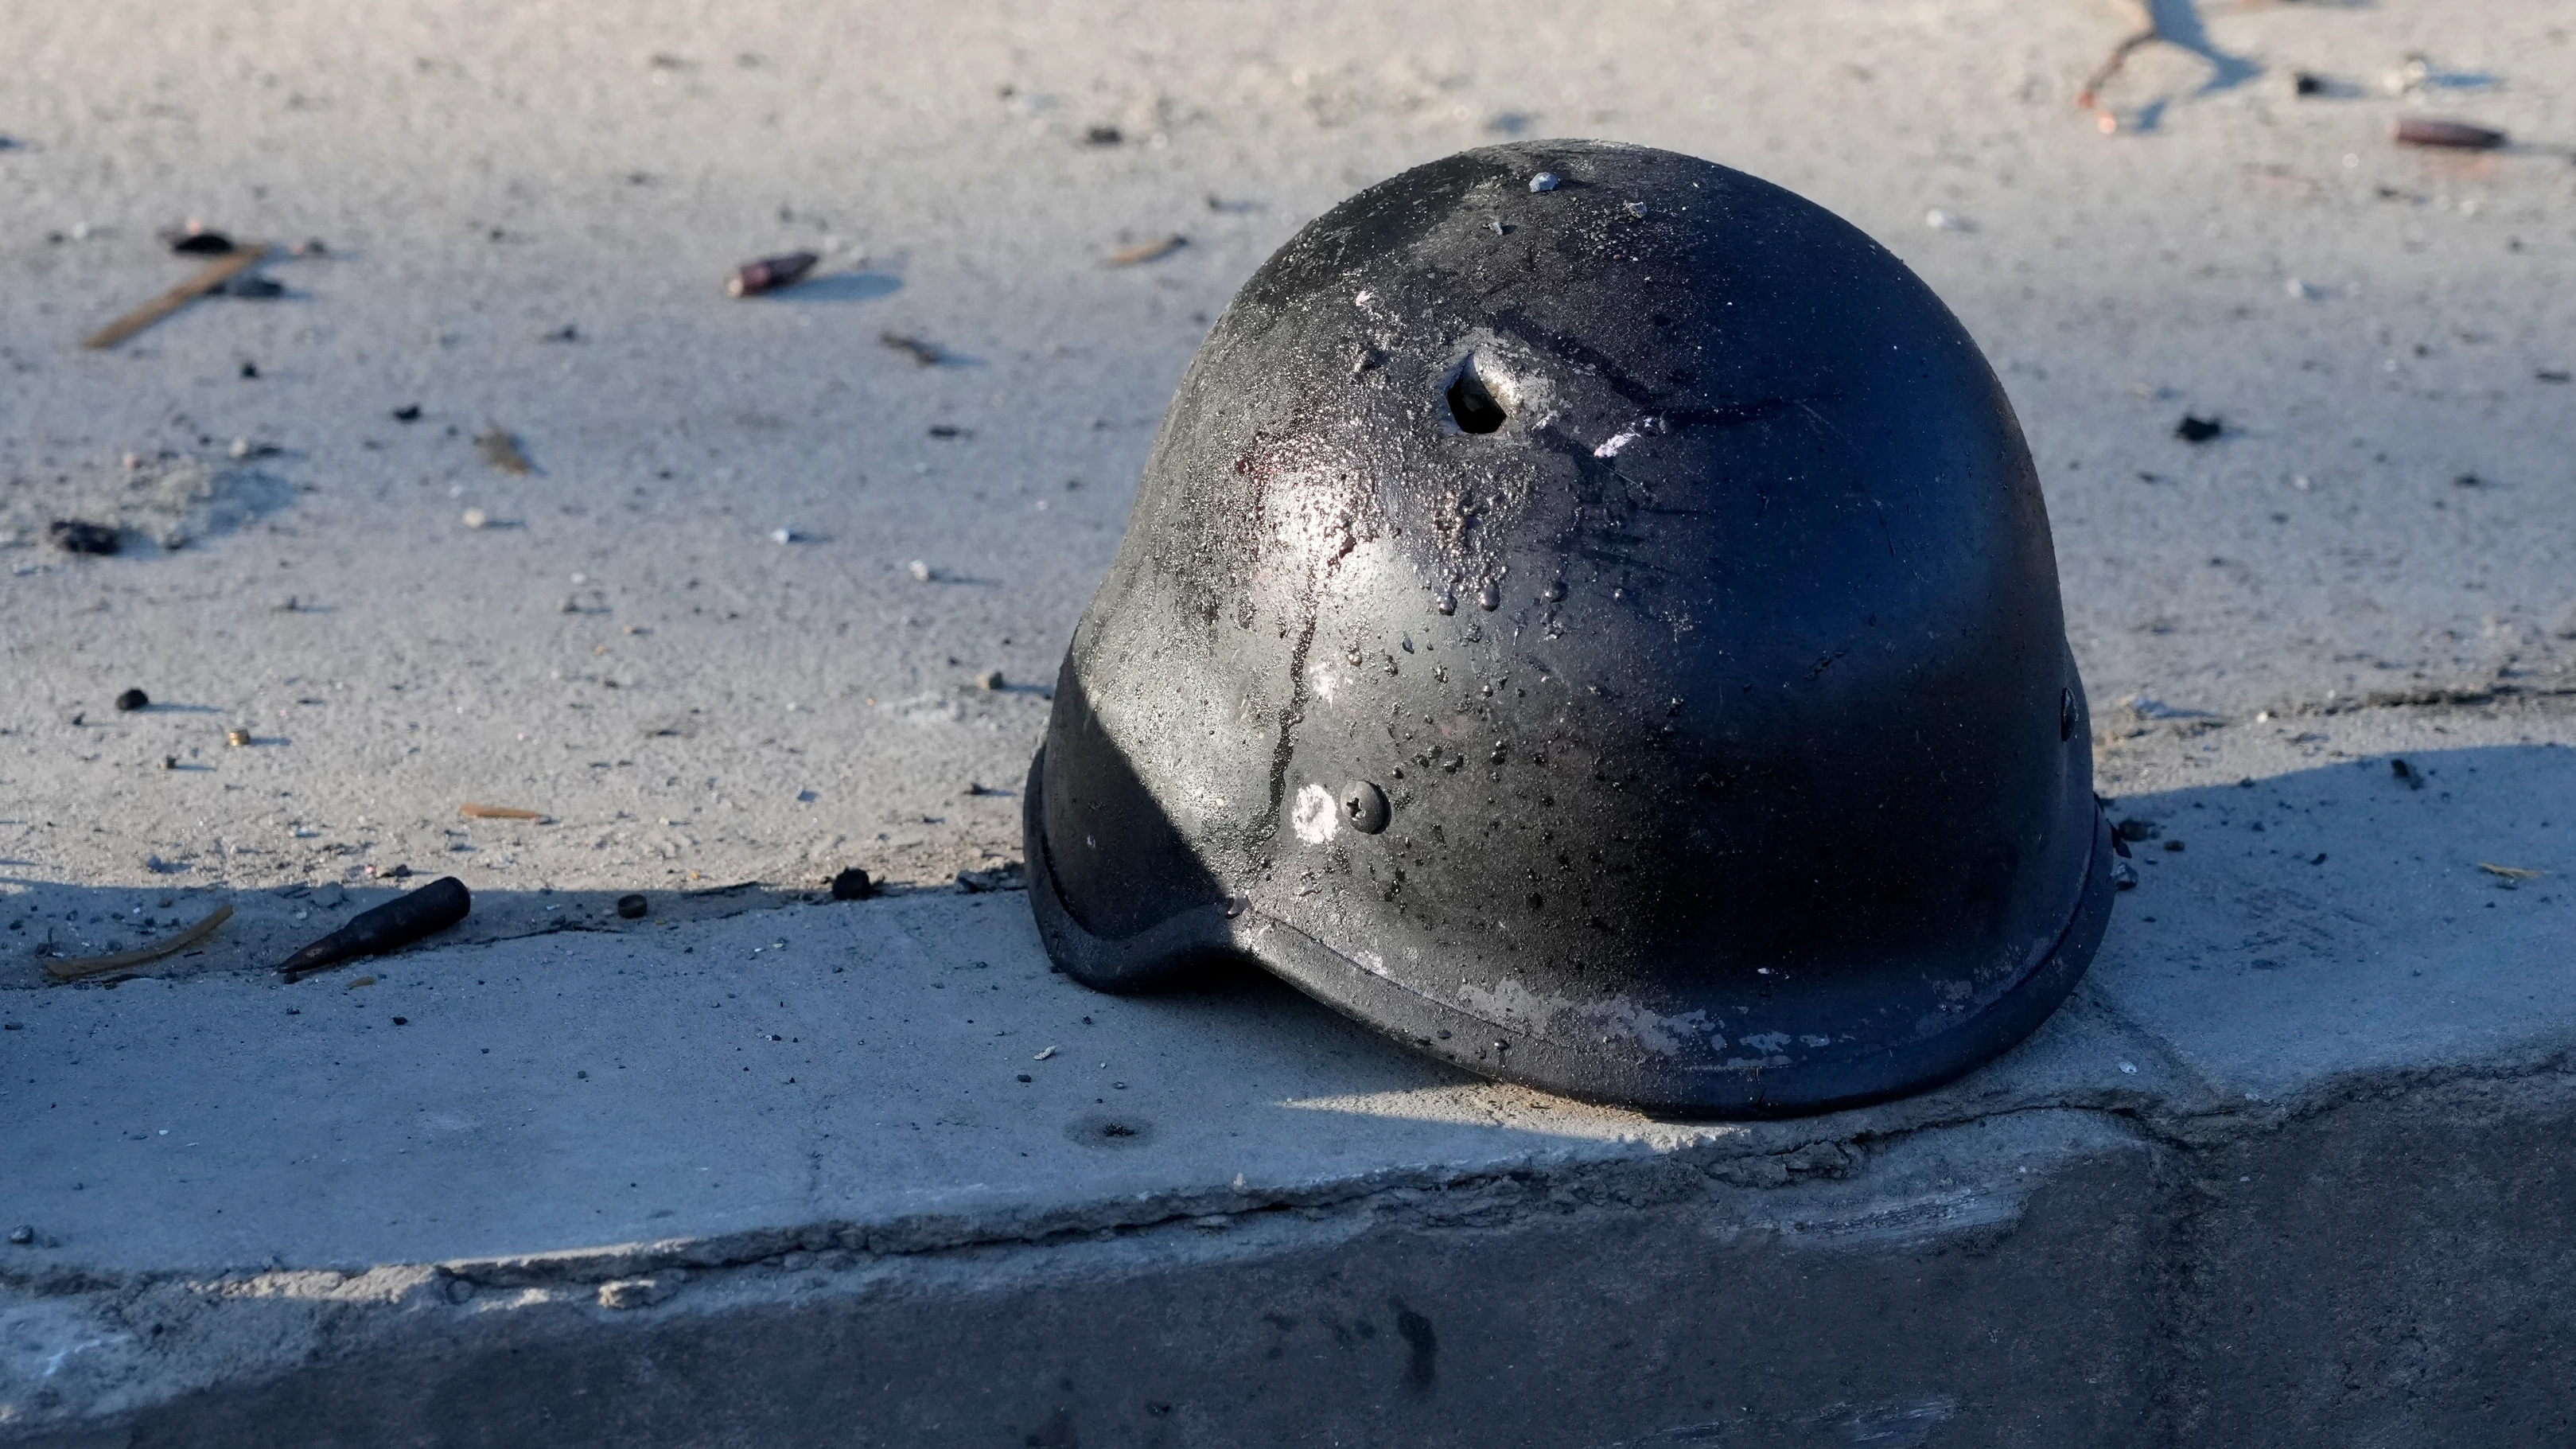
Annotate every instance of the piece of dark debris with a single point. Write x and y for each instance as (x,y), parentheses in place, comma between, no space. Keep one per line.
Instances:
(1103,136)
(2195,429)
(925,353)
(74,535)
(407,413)
(132,700)
(2309,83)
(397,923)
(2453,135)
(769,274)
(249,370)
(2134,829)
(500,449)
(947,430)
(633,907)
(1012,876)
(2407,775)
(196,241)
(852,884)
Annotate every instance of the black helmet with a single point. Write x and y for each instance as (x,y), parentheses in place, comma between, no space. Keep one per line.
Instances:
(1590,615)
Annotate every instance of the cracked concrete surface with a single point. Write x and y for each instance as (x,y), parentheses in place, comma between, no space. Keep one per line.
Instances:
(758,1168)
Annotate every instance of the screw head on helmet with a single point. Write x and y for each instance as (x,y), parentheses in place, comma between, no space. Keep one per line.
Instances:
(1602,634)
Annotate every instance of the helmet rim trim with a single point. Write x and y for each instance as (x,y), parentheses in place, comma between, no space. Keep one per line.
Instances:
(1233,928)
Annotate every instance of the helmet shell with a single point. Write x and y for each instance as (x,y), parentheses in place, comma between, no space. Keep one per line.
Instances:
(1605,635)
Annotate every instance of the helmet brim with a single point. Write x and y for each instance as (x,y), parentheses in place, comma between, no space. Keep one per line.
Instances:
(1236,928)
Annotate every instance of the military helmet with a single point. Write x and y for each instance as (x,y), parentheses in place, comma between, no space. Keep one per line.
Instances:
(1590,615)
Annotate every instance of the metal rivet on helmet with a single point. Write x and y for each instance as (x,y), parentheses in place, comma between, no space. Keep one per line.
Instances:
(1364,806)
(1760,567)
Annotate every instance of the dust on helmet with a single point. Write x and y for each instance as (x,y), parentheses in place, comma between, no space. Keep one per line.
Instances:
(1590,615)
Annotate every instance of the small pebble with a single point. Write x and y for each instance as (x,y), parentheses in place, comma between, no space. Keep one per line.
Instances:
(920,571)
(852,885)
(1940,220)
(237,738)
(198,242)
(782,535)
(132,699)
(1635,209)
(1025,1077)
(22,1235)
(2198,429)
(1544,181)
(169,762)
(633,907)
(991,679)
(407,413)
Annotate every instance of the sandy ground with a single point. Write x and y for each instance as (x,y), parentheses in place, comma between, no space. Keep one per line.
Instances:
(529,210)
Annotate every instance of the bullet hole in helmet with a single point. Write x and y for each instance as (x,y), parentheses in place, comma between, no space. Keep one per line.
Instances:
(1472,405)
